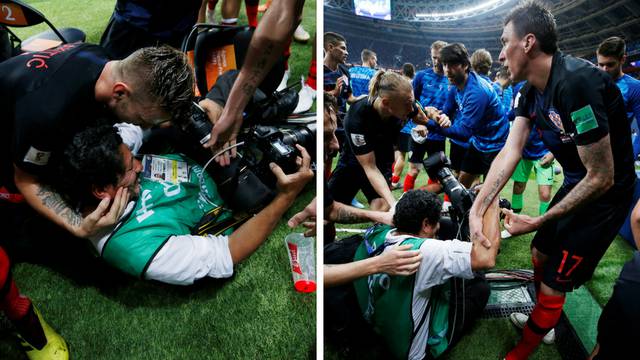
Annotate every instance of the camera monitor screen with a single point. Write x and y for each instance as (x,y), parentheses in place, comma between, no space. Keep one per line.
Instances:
(377,9)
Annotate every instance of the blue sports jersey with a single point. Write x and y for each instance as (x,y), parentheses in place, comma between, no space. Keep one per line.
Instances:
(630,89)
(506,97)
(360,77)
(480,117)
(535,148)
(451,109)
(495,85)
(431,90)
(331,78)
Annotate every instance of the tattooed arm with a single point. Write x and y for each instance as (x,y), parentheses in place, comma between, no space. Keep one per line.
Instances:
(345,214)
(51,205)
(501,169)
(267,44)
(339,213)
(598,160)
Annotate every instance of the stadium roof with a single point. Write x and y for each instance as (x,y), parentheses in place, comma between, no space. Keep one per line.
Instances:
(582,24)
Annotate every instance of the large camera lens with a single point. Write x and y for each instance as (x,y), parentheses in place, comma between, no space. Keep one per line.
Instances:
(303,135)
(198,126)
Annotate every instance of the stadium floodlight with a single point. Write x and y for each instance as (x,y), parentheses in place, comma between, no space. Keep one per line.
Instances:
(476,10)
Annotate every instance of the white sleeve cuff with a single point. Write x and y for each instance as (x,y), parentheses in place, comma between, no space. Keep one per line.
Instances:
(186,258)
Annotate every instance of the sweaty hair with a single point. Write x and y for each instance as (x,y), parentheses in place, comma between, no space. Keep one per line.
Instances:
(438,45)
(163,77)
(330,102)
(481,61)
(612,47)
(385,82)
(366,55)
(414,207)
(455,54)
(409,70)
(331,38)
(92,159)
(533,18)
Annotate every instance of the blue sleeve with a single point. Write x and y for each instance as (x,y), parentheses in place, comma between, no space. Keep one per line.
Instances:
(458,130)
(634,98)
(450,107)
(417,86)
(470,119)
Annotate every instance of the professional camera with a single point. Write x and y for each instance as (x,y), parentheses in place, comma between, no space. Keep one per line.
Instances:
(437,166)
(247,184)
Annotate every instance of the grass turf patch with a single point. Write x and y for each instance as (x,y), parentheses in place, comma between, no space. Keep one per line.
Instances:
(103,314)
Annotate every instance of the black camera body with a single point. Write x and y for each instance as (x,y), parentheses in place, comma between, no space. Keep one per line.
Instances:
(437,166)
(457,222)
(248,184)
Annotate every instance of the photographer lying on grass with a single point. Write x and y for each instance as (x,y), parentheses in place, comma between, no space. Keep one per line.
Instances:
(153,239)
(412,312)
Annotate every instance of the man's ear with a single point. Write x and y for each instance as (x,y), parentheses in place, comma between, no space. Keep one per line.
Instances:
(529,42)
(101,192)
(427,228)
(120,91)
(385,101)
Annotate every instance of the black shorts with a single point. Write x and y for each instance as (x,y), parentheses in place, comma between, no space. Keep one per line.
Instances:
(404,142)
(120,38)
(347,180)
(429,147)
(575,243)
(476,162)
(456,155)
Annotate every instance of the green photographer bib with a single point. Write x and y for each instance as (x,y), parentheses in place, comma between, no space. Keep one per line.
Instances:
(162,210)
(386,301)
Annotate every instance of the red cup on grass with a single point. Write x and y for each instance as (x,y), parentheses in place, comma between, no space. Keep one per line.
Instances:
(302,262)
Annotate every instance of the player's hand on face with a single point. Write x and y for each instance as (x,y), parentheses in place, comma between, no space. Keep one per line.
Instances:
(517,224)
(292,184)
(399,260)
(104,216)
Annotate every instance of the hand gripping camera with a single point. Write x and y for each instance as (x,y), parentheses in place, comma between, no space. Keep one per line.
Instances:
(247,184)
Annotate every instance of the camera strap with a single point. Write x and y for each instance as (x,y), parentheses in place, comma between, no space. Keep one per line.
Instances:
(214,223)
